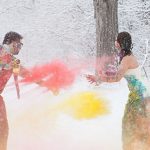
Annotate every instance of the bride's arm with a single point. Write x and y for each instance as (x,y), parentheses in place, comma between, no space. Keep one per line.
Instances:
(123,67)
(93,79)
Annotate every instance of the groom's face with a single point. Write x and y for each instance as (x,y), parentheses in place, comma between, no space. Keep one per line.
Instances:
(16,47)
(117,45)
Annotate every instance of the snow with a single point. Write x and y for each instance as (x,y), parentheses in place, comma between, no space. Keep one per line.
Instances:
(51,28)
(35,123)
(68,26)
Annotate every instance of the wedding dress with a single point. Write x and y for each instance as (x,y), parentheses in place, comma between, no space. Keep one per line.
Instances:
(136,131)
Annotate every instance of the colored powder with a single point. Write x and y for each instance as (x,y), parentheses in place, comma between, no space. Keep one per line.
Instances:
(85,105)
(60,76)
(54,75)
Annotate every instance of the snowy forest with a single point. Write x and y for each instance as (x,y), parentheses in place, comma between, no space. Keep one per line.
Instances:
(54,28)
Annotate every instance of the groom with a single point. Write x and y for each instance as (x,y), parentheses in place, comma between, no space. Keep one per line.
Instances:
(11,46)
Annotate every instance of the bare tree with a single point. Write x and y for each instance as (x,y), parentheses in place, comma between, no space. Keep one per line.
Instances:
(106,25)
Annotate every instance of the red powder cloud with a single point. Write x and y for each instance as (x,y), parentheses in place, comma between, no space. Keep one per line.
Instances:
(54,75)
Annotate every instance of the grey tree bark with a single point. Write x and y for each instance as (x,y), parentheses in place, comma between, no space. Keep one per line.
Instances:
(106,25)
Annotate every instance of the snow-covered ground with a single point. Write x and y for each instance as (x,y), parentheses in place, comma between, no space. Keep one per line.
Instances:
(36,121)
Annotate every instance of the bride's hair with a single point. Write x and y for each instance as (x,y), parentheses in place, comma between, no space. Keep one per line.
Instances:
(125,41)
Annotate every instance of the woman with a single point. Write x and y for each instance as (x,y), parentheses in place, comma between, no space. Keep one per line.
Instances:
(135,120)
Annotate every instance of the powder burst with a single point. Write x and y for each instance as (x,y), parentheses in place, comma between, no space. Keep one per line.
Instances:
(54,75)
(85,105)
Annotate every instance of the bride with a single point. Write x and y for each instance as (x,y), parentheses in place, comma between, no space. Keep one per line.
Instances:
(136,131)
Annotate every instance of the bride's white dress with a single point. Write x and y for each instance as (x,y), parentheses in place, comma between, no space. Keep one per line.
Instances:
(36,123)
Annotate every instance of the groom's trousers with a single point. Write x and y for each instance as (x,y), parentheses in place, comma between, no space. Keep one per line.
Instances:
(3,125)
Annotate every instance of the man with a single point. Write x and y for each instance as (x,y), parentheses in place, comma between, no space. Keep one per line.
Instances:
(11,46)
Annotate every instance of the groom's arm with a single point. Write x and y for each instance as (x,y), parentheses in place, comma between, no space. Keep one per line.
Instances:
(24,72)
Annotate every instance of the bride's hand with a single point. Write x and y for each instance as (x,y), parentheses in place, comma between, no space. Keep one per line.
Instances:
(91,78)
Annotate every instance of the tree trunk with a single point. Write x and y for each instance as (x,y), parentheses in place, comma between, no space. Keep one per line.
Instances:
(106,25)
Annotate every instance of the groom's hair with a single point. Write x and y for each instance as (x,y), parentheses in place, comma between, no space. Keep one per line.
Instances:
(125,41)
(12,36)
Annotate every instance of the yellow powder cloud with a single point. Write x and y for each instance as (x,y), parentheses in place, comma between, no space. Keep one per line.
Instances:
(85,105)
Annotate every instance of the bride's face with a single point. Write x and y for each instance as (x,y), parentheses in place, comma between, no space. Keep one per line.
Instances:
(117,45)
